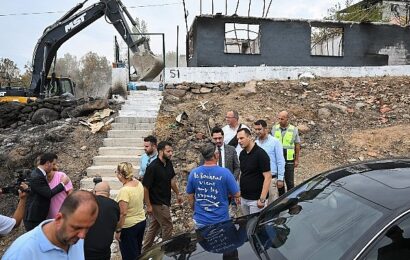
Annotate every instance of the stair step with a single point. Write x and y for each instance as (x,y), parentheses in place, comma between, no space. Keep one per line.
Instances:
(139,107)
(138,113)
(115,160)
(107,170)
(130,119)
(128,133)
(88,184)
(133,126)
(121,151)
(123,142)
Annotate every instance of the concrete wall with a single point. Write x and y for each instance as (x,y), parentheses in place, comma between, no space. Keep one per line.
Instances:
(288,42)
(243,74)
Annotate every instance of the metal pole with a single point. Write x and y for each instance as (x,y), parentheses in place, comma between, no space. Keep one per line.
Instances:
(177,61)
(226,7)
(163,55)
(212,6)
(200,7)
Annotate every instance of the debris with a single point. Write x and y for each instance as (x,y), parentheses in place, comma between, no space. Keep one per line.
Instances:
(202,104)
(181,117)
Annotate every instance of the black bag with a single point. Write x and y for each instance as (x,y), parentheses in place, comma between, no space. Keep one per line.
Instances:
(234,141)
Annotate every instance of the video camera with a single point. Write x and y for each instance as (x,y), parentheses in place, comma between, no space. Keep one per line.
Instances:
(97,179)
(20,176)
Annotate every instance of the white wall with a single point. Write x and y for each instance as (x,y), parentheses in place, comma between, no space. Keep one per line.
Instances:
(244,74)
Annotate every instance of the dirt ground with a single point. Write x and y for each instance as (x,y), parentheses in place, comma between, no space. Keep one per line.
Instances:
(74,144)
(341,121)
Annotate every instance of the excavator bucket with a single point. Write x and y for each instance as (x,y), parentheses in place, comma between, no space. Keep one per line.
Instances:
(147,66)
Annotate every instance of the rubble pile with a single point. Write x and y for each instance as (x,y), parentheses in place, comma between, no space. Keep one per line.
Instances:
(341,120)
(42,111)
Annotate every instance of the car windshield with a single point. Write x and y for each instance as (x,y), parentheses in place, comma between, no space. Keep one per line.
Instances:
(318,220)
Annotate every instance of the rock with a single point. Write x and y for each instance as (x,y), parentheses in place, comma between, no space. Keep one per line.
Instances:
(205,90)
(195,91)
(27,109)
(83,148)
(66,112)
(335,107)
(324,113)
(172,99)
(199,136)
(183,87)
(406,116)
(216,89)
(44,115)
(89,107)
(249,89)
(176,92)
(303,129)
(360,105)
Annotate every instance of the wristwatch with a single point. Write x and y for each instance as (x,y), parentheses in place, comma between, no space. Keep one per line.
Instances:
(262,200)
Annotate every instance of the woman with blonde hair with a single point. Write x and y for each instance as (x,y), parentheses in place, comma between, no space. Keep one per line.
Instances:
(130,228)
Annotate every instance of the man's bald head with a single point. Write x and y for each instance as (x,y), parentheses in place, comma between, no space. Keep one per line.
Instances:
(102,188)
(283,117)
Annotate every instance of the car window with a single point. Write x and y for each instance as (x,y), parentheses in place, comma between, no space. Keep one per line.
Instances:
(320,221)
(395,243)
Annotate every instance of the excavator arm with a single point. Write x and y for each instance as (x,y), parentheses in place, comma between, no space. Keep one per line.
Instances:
(70,24)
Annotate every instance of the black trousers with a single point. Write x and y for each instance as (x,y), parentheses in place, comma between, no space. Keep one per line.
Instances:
(131,241)
(289,177)
(29,225)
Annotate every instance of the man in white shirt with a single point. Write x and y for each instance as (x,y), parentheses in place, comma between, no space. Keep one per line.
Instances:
(231,129)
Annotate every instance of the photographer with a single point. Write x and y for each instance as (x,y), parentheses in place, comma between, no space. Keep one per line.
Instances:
(7,223)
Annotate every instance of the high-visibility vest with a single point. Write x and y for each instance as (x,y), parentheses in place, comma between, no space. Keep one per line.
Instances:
(286,140)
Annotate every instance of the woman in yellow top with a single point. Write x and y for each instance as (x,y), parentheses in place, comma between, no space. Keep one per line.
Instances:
(130,229)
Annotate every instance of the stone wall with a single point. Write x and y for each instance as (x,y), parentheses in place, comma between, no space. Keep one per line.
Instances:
(41,111)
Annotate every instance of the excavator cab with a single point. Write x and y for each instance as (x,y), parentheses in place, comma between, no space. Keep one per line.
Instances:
(57,86)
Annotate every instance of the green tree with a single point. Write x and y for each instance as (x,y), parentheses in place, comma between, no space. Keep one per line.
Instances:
(355,13)
(25,79)
(95,75)
(69,66)
(9,72)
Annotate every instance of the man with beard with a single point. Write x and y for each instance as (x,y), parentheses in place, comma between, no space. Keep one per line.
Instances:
(151,153)
(158,181)
(59,238)
(38,200)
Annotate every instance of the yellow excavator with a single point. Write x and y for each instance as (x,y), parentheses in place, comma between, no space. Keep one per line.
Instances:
(42,85)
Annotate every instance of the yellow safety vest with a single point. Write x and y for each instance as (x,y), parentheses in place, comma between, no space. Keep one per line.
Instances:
(286,141)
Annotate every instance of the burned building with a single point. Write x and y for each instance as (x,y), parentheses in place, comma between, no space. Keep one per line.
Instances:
(218,40)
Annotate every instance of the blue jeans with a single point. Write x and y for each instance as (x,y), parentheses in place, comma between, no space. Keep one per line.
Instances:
(131,241)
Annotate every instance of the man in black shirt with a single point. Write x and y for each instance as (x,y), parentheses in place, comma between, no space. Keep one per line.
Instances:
(158,181)
(255,176)
(97,243)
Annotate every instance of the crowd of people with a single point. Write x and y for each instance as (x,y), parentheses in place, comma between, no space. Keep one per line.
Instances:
(236,169)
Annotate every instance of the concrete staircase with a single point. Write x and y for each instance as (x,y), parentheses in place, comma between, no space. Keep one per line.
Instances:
(124,142)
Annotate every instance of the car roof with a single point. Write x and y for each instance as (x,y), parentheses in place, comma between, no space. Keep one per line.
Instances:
(385,182)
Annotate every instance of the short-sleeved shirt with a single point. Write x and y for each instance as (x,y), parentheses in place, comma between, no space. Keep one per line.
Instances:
(34,245)
(6,225)
(58,199)
(134,196)
(211,186)
(230,133)
(253,165)
(145,161)
(98,240)
(157,180)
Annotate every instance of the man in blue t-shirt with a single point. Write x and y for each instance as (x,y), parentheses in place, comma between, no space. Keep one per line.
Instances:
(208,188)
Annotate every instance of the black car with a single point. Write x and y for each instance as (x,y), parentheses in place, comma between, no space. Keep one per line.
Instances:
(355,212)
